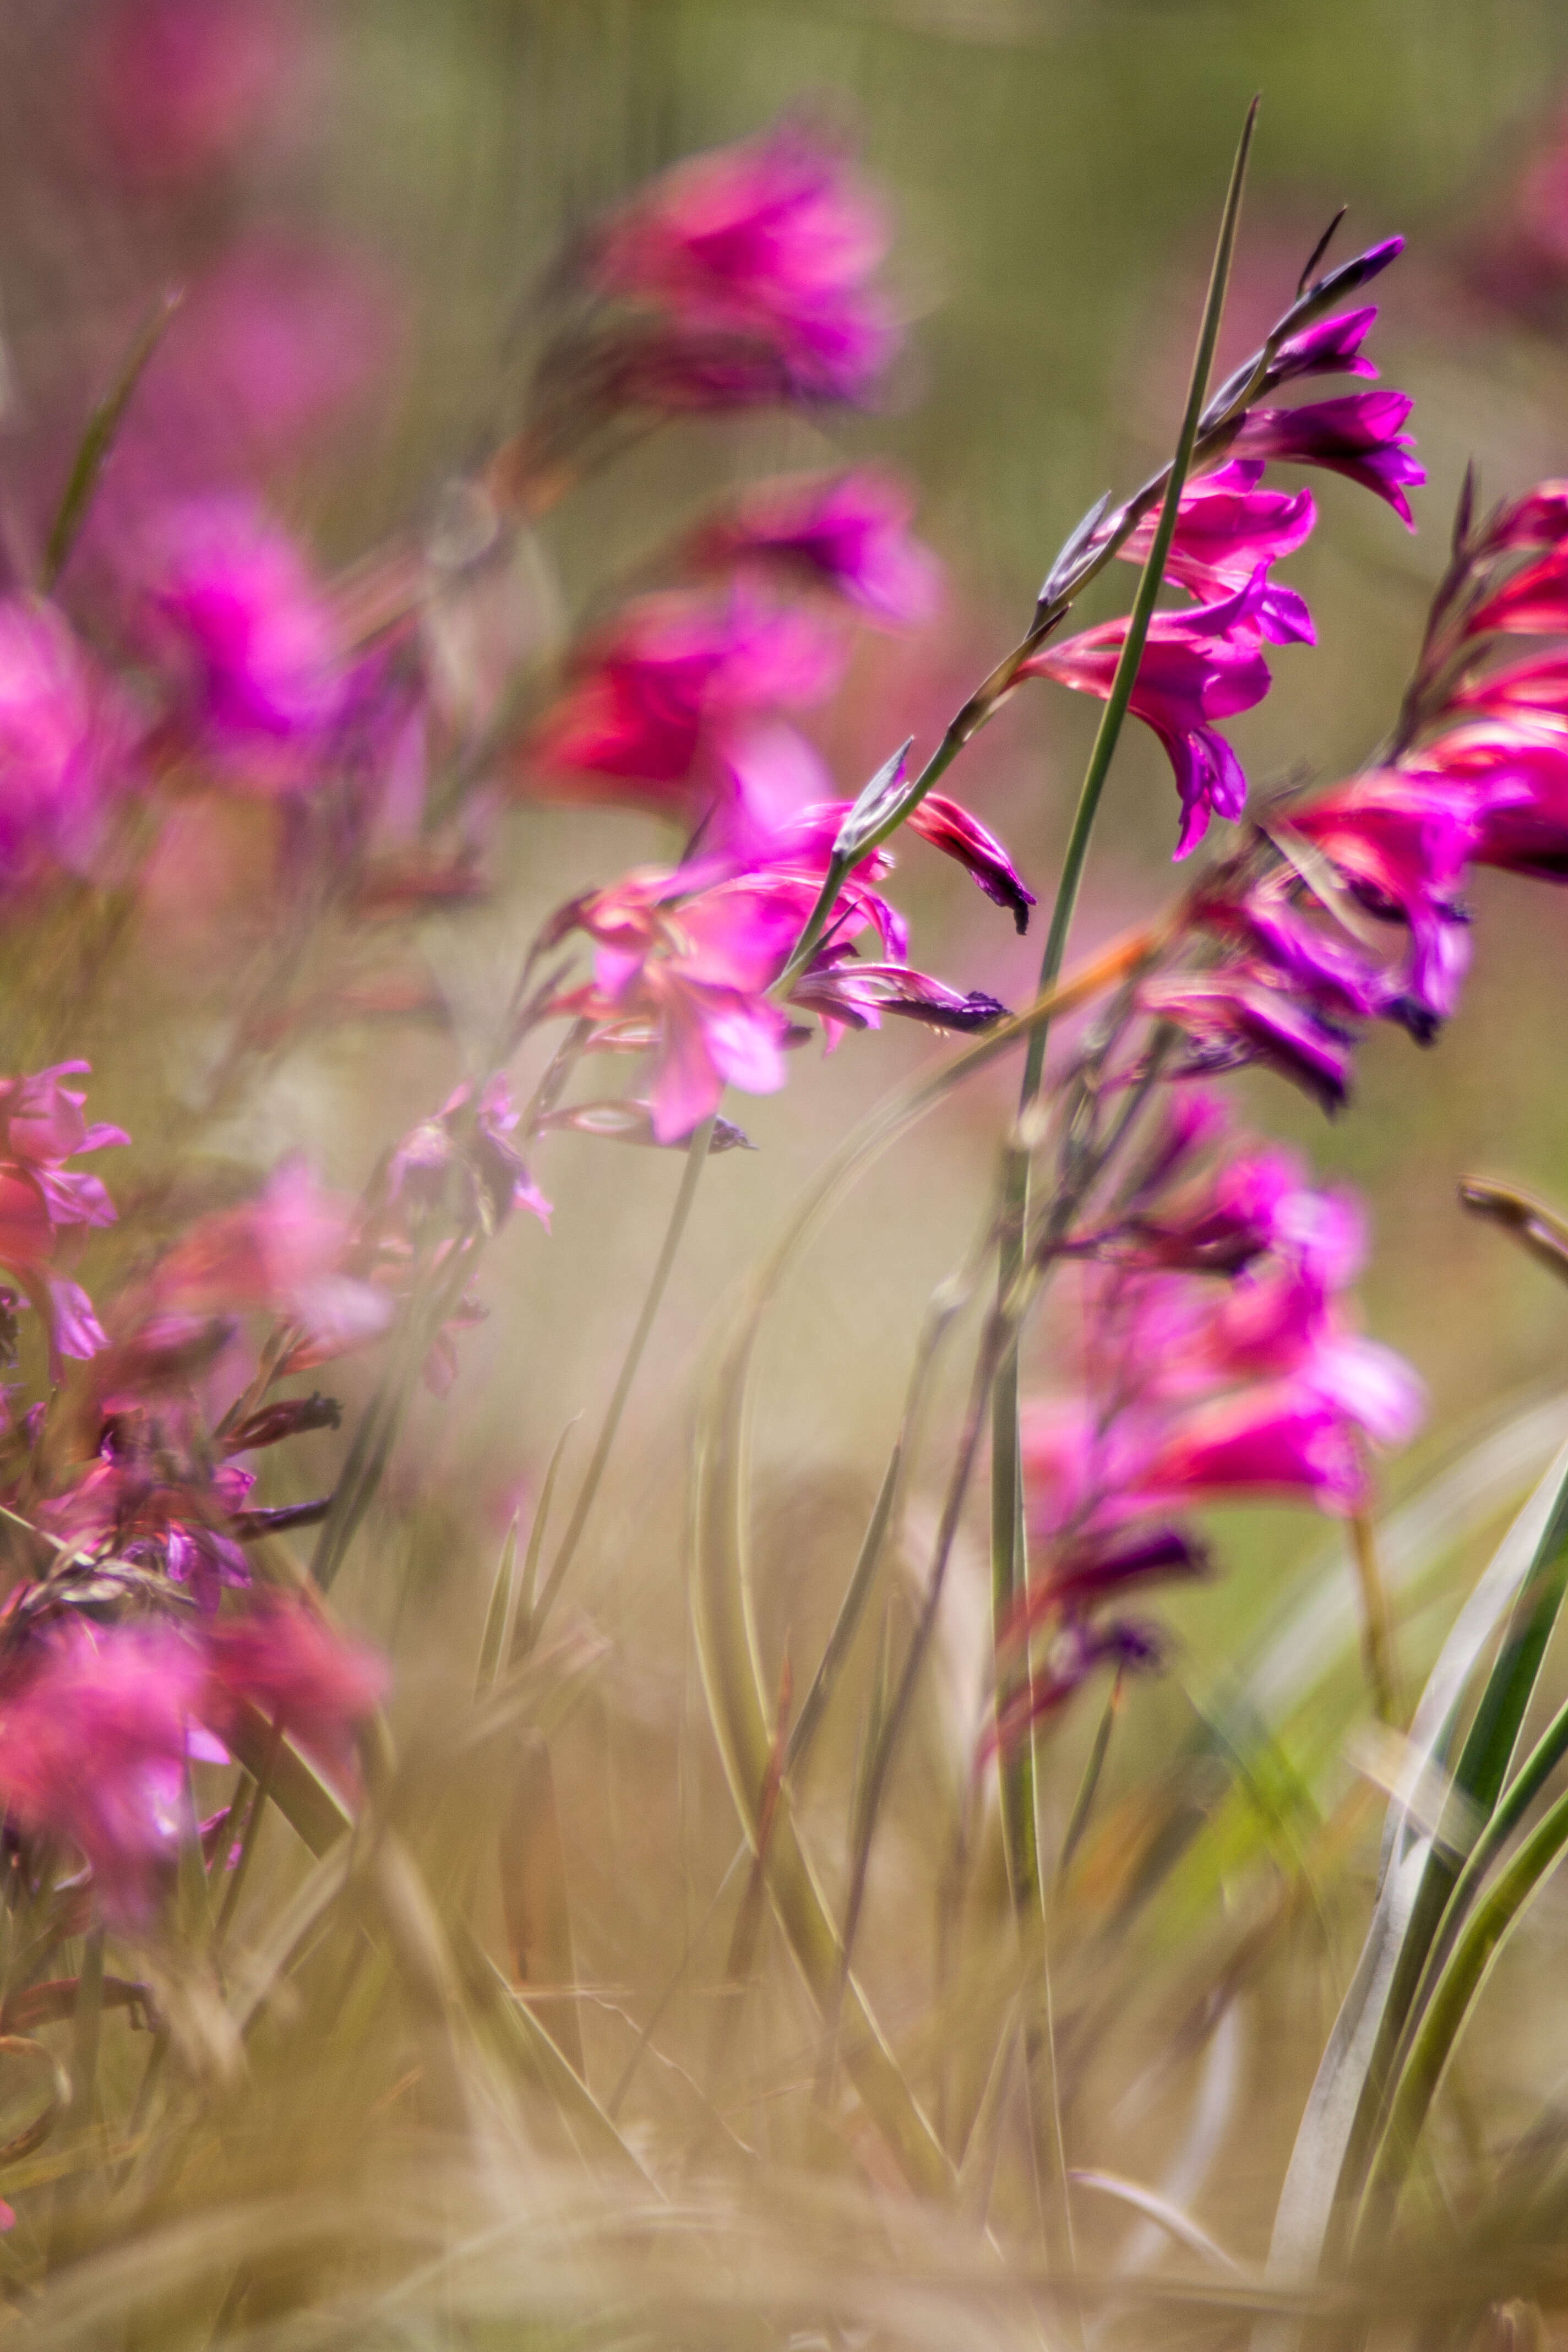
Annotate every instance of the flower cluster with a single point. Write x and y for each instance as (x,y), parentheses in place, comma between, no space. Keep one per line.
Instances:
(1216,1363)
(1206,662)
(1347,905)
(739,279)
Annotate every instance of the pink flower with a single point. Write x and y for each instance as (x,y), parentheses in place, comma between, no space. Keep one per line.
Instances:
(284,1660)
(1238,1014)
(1532,602)
(1267,1441)
(93,1731)
(283,1253)
(768,242)
(1401,843)
(65,741)
(1333,346)
(1197,665)
(178,85)
(847,532)
(250,638)
(676,680)
(275,342)
(1226,529)
(949,827)
(687,975)
(150,1499)
(468,1140)
(41,1127)
(1357,435)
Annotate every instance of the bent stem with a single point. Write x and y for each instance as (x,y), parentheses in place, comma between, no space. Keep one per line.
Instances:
(679,1215)
(1008,1552)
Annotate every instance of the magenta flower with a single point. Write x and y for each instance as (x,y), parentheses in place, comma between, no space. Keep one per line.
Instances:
(41,1128)
(1532,602)
(469,1141)
(1333,346)
(1358,435)
(1217,1365)
(1227,529)
(687,976)
(845,994)
(1268,1443)
(178,85)
(283,1254)
(249,639)
(93,1732)
(1238,1014)
(1400,843)
(149,1499)
(284,1661)
(848,533)
(769,243)
(1197,666)
(65,742)
(274,343)
(680,677)
(949,827)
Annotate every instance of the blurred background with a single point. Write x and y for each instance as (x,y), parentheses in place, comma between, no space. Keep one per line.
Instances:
(362,203)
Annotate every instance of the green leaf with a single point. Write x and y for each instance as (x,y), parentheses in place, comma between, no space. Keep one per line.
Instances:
(1521,1589)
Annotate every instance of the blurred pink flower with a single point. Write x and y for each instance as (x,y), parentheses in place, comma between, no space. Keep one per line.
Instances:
(41,1127)
(176,87)
(283,1253)
(678,677)
(283,1659)
(771,242)
(276,341)
(249,638)
(690,974)
(93,1729)
(848,533)
(66,739)
(469,1140)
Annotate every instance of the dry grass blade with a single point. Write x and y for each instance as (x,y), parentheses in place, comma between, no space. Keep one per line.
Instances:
(534,1897)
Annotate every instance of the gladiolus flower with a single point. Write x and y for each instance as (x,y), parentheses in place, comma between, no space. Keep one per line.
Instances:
(283,1253)
(769,242)
(848,533)
(180,84)
(675,677)
(284,1660)
(1226,529)
(1197,665)
(1357,435)
(41,1127)
(949,827)
(65,738)
(243,621)
(93,1730)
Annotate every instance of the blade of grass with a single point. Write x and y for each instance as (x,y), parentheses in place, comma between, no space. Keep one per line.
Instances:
(99,438)
(1009,1565)
(1522,1585)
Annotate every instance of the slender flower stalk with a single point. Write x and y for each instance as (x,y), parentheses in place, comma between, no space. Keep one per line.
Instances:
(1007,1544)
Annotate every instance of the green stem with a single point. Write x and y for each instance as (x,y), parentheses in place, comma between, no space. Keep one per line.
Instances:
(696,1155)
(1008,1559)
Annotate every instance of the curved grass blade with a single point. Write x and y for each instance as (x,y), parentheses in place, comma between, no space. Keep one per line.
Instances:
(97,439)
(1523,1587)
